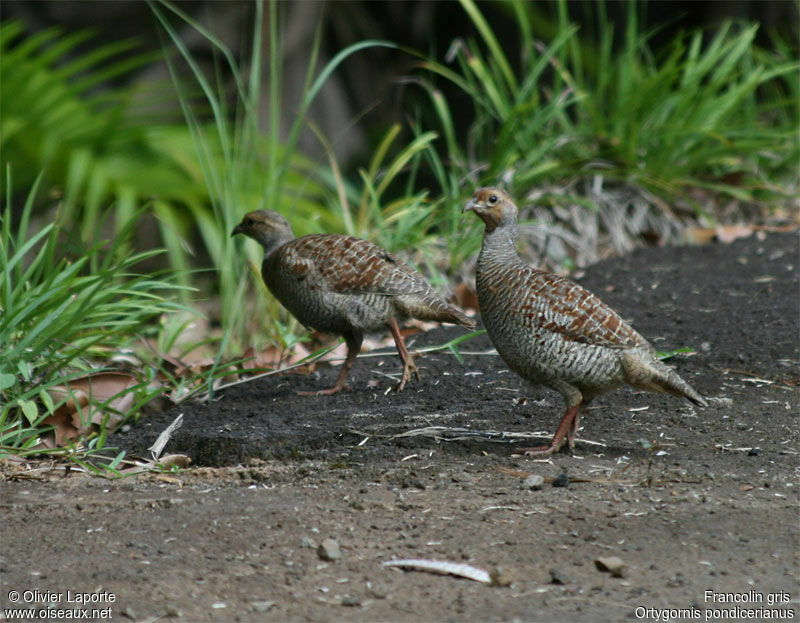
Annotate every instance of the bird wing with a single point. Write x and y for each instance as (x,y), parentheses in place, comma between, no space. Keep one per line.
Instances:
(558,305)
(348,265)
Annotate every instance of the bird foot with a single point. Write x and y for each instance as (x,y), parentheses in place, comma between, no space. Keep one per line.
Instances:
(538,450)
(326,392)
(409,368)
(565,433)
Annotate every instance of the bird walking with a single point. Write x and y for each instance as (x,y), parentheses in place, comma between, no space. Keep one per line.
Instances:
(346,286)
(553,332)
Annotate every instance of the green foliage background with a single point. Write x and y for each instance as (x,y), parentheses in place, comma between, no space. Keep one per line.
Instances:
(710,112)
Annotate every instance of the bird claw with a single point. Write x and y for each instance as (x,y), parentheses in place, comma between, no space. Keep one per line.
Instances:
(326,392)
(537,451)
(552,448)
(408,368)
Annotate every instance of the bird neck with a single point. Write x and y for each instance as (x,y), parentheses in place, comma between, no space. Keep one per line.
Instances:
(500,244)
(274,241)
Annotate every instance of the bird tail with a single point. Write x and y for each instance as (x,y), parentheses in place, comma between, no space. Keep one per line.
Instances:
(453,315)
(677,386)
(653,375)
(433,309)
(462,319)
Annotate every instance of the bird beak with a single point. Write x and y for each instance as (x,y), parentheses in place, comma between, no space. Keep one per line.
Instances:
(236,230)
(470,207)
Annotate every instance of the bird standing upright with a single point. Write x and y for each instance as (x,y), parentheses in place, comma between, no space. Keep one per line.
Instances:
(553,332)
(344,285)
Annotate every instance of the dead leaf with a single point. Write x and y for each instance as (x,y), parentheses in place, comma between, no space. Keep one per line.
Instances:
(67,421)
(163,438)
(722,233)
(442,567)
(512,472)
(611,564)
(168,479)
(466,297)
(729,233)
(174,460)
(88,402)
(252,359)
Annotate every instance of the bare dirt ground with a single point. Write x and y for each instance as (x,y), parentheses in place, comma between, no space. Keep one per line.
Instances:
(699,504)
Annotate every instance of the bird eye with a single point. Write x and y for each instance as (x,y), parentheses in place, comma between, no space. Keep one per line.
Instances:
(248,221)
(492,199)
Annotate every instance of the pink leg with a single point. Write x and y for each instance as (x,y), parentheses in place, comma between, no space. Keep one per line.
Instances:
(353,348)
(405,356)
(565,432)
(572,433)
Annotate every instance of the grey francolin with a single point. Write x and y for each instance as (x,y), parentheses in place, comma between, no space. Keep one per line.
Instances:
(344,285)
(553,332)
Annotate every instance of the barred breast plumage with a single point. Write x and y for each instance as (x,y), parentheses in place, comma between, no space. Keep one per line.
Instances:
(345,285)
(553,332)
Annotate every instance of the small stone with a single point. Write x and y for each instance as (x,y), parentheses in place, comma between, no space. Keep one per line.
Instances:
(612,564)
(351,601)
(534,482)
(677,581)
(501,576)
(463,477)
(559,577)
(262,606)
(307,543)
(329,550)
(378,591)
(173,612)
(562,480)
(755,452)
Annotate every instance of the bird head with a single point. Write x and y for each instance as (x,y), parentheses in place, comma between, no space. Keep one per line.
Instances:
(266,227)
(494,206)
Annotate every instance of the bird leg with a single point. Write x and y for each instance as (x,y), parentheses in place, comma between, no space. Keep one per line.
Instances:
(565,433)
(408,361)
(572,432)
(353,348)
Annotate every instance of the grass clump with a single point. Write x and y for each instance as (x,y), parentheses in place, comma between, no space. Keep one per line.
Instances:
(63,319)
(617,140)
(247,168)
